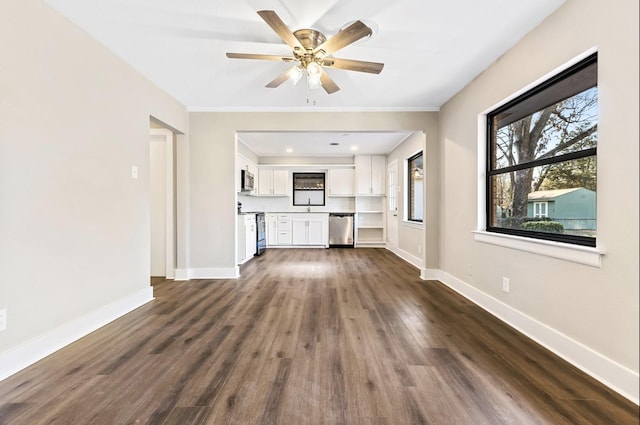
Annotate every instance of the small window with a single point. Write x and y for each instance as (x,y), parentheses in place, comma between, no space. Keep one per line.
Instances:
(415,188)
(541,165)
(540,209)
(308,189)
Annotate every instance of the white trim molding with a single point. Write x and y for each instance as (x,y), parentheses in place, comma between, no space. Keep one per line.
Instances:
(215,273)
(563,251)
(617,377)
(409,258)
(182,274)
(18,358)
(430,274)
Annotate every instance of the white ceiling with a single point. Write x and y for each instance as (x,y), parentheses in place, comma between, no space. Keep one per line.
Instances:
(431,48)
(296,143)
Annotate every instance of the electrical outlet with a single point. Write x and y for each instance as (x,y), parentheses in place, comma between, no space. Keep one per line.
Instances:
(505,284)
(469,270)
(3,319)
(419,249)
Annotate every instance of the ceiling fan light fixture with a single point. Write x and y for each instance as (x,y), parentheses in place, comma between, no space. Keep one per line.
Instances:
(295,74)
(313,81)
(314,69)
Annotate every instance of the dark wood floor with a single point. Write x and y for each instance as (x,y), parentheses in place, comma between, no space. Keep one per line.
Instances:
(308,336)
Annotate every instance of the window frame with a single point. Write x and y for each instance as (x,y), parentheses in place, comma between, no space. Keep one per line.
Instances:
(541,209)
(409,197)
(490,171)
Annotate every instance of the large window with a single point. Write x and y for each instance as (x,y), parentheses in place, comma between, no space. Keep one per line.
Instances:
(415,188)
(541,165)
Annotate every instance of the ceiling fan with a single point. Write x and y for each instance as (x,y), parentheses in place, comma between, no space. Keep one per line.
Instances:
(312,52)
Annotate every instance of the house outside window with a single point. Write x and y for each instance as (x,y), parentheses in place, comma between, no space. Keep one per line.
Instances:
(541,164)
(415,188)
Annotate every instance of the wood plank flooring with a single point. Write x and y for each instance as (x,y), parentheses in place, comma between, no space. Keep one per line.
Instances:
(308,336)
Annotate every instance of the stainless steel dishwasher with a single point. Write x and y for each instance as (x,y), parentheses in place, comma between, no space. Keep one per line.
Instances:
(341,230)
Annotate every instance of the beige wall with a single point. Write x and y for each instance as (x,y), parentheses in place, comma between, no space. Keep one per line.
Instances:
(409,236)
(74,225)
(212,150)
(596,307)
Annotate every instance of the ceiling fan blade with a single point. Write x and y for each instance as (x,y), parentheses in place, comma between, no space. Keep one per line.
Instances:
(279,80)
(257,56)
(351,34)
(274,21)
(353,65)
(328,84)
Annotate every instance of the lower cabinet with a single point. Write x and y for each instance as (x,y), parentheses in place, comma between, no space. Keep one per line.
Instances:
(246,237)
(308,231)
(272,229)
(297,229)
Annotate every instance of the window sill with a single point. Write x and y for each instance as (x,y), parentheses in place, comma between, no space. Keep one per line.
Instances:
(574,253)
(412,224)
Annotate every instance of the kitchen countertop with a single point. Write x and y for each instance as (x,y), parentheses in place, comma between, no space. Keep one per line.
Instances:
(310,212)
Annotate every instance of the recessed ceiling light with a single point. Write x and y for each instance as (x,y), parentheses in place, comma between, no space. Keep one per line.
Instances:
(354,148)
(289,150)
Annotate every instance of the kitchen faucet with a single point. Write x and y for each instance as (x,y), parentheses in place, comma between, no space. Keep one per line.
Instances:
(308,204)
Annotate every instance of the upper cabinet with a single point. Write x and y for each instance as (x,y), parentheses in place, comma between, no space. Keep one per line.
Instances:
(342,182)
(272,182)
(370,174)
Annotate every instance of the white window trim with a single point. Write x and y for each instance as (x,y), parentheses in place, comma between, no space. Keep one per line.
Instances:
(543,205)
(412,224)
(569,252)
(563,251)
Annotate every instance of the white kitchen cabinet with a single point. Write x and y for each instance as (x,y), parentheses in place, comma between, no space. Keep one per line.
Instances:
(272,182)
(247,237)
(316,232)
(370,174)
(283,226)
(250,236)
(272,229)
(310,229)
(342,182)
(299,231)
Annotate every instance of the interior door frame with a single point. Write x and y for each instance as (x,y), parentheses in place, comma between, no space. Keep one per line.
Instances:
(393,215)
(166,136)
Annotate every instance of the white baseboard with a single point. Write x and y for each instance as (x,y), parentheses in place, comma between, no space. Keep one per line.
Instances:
(409,258)
(430,274)
(617,377)
(29,352)
(215,273)
(182,274)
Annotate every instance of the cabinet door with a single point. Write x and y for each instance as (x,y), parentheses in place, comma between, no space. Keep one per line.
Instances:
(265,181)
(251,240)
(315,232)
(280,180)
(378,174)
(272,230)
(284,237)
(363,174)
(299,232)
(242,251)
(341,182)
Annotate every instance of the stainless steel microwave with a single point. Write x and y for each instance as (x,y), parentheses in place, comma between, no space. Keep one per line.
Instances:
(247,181)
